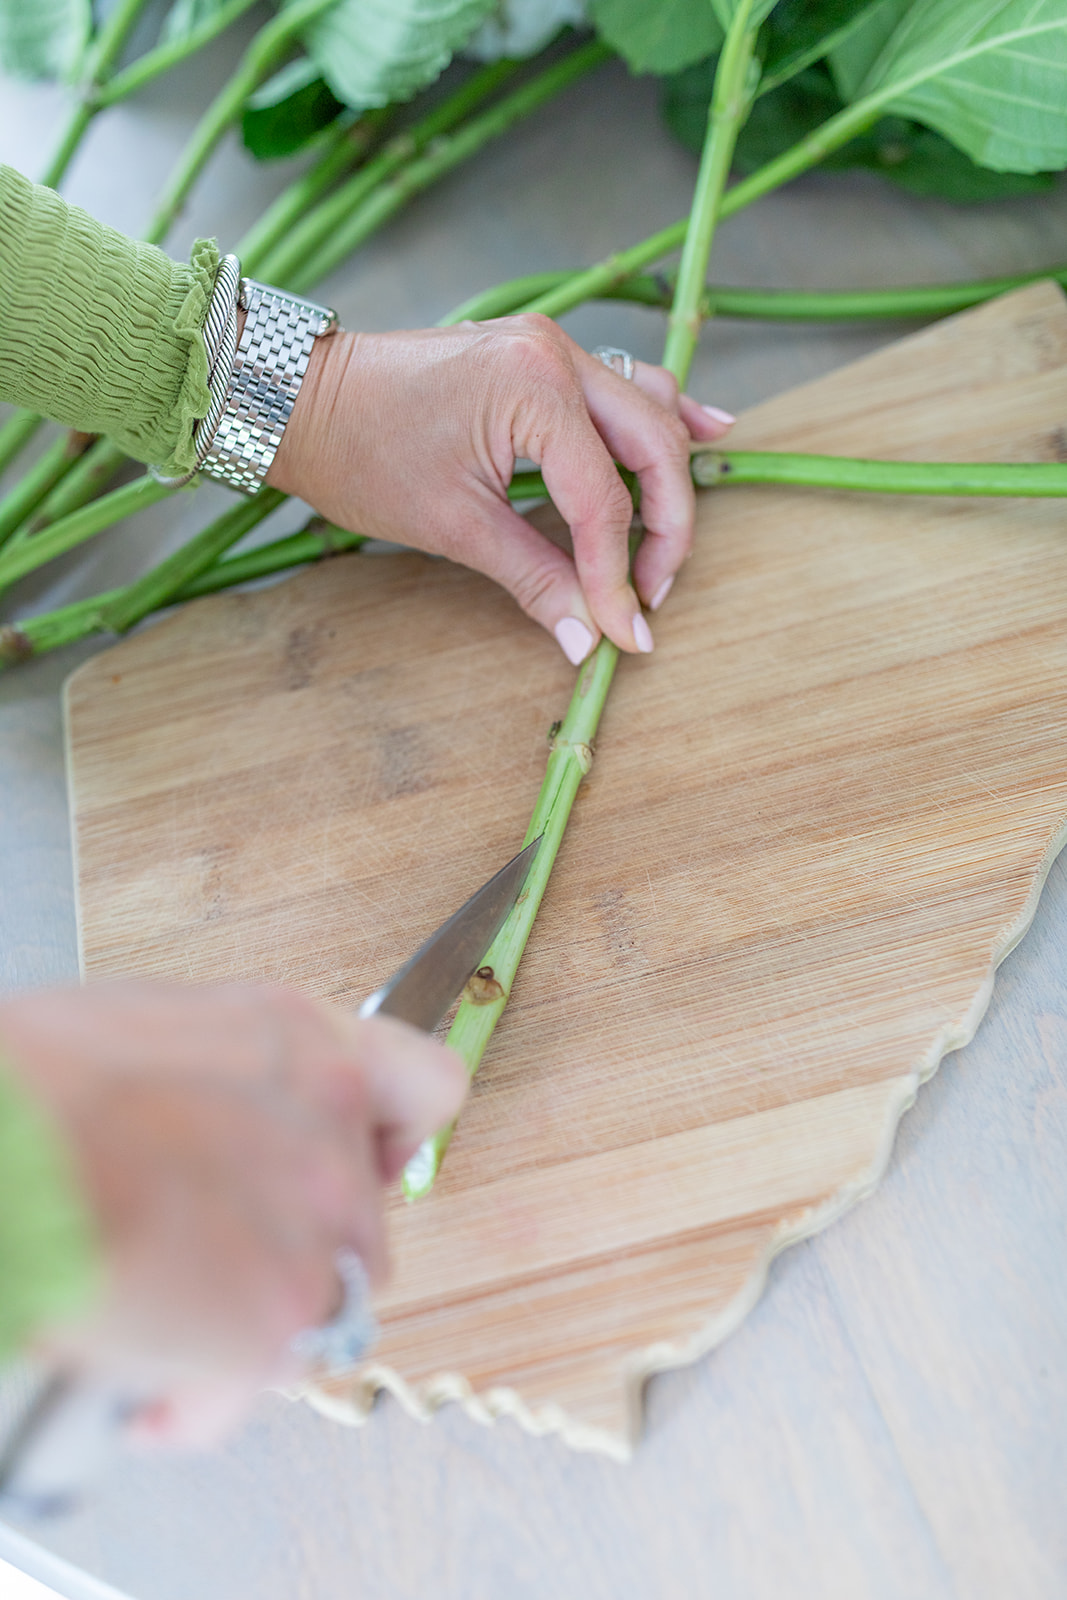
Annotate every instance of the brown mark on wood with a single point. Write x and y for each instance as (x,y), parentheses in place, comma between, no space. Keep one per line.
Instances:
(301,657)
(1058,443)
(405,762)
(483,988)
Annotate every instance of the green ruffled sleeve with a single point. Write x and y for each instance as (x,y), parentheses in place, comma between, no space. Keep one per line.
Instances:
(49,1252)
(98,331)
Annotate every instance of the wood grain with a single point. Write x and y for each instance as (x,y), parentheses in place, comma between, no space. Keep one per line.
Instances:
(819,816)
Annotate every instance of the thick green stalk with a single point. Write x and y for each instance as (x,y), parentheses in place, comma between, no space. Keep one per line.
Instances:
(22,501)
(314,230)
(102,54)
(1023,479)
(263,54)
(73,530)
(154,63)
(572,745)
(771,305)
(158,587)
(17,431)
(101,613)
(446,153)
(587,285)
(345,144)
(570,759)
(89,474)
(730,101)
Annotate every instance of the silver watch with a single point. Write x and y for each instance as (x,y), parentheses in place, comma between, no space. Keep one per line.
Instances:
(268,369)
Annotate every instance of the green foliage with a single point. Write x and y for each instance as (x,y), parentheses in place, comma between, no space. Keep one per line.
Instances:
(991,75)
(185,16)
(851,59)
(914,157)
(372,52)
(44,39)
(663,37)
(726,9)
(799,32)
(287,112)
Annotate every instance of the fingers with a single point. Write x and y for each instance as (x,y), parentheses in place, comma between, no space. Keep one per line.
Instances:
(576,438)
(648,426)
(414,1086)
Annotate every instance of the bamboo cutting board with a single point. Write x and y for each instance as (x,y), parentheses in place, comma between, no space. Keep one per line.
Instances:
(819,816)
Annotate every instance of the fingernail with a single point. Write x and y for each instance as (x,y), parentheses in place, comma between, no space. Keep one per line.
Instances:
(642,634)
(718,415)
(661,594)
(575,640)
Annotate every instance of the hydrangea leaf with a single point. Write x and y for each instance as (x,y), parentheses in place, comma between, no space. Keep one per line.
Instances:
(44,39)
(373,52)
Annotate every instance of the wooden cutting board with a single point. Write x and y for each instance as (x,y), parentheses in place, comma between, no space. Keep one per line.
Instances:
(819,816)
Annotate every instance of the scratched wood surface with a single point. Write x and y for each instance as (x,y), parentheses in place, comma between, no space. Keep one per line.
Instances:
(818,817)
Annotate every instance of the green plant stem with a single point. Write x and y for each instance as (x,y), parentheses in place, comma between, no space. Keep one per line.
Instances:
(22,501)
(154,63)
(17,432)
(310,235)
(344,145)
(80,525)
(771,305)
(569,760)
(263,54)
(730,101)
(90,473)
(101,56)
(572,746)
(67,624)
(1022,479)
(615,269)
(158,587)
(101,613)
(445,153)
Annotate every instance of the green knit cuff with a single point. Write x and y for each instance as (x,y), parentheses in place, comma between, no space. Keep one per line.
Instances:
(101,332)
(50,1262)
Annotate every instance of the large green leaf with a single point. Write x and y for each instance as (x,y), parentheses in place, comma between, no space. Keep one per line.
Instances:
(991,75)
(288,111)
(43,38)
(658,35)
(911,156)
(853,57)
(372,52)
(519,28)
(800,32)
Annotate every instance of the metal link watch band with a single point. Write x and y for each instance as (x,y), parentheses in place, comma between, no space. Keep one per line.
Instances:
(268,369)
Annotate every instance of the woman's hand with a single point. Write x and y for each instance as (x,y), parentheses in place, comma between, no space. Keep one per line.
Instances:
(229,1141)
(413,437)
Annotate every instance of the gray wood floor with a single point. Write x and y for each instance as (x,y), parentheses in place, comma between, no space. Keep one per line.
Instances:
(890,1420)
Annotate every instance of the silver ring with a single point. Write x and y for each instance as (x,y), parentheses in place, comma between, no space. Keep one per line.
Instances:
(620,361)
(338,1345)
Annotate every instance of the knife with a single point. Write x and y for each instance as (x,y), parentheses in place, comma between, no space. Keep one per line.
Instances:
(63,1439)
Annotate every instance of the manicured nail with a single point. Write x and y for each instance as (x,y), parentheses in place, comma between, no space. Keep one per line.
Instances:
(642,634)
(718,415)
(661,594)
(575,640)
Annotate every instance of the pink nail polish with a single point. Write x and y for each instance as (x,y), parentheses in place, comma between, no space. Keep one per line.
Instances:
(574,638)
(718,415)
(661,594)
(642,634)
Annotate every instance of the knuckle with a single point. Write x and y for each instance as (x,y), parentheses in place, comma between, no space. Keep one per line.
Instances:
(532,587)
